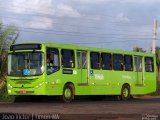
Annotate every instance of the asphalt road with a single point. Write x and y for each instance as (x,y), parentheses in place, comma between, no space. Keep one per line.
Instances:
(146,107)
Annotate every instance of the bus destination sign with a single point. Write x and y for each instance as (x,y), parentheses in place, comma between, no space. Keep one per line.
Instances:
(25,47)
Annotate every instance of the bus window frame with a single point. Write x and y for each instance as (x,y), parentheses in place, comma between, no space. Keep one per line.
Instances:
(152,64)
(121,64)
(132,68)
(49,63)
(72,60)
(98,63)
(111,63)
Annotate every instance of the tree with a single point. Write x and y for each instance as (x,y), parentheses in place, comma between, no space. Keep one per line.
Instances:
(8,36)
(157,53)
(138,49)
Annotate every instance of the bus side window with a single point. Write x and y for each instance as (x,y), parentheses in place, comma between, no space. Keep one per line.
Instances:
(106,61)
(95,60)
(84,60)
(68,59)
(128,63)
(79,60)
(118,62)
(149,64)
(52,60)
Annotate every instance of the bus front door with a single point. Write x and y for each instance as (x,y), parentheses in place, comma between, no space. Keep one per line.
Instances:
(82,67)
(138,70)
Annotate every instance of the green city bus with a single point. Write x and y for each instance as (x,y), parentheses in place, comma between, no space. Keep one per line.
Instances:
(68,70)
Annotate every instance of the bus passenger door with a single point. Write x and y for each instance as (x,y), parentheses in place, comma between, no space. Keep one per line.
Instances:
(82,65)
(138,63)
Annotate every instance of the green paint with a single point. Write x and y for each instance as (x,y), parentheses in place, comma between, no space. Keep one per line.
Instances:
(86,81)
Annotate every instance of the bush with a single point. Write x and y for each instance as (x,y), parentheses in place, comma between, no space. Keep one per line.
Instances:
(4,97)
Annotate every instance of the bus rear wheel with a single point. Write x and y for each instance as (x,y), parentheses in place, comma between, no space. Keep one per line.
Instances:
(125,92)
(68,93)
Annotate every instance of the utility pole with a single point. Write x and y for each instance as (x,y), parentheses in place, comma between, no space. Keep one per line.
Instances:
(154,36)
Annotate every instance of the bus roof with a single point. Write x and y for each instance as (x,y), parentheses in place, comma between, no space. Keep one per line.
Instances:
(94,49)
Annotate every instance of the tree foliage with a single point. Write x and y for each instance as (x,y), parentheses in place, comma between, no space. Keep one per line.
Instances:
(8,36)
(158,57)
(138,49)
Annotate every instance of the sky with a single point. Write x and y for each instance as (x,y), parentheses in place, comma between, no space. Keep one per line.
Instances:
(113,24)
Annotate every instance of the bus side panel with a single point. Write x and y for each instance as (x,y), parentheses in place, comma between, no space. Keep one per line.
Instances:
(54,83)
(106,82)
(150,82)
(57,81)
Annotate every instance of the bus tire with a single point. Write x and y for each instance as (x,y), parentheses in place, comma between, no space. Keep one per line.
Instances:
(125,92)
(68,93)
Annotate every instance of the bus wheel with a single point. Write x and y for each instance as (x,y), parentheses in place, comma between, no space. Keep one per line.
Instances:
(68,93)
(125,92)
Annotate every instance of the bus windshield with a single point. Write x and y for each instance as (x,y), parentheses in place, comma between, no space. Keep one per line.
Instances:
(25,64)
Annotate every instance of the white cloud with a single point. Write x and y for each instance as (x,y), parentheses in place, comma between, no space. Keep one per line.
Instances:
(141,1)
(47,7)
(121,18)
(40,23)
(93,1)
(66,10)
(33,6)
(120,1)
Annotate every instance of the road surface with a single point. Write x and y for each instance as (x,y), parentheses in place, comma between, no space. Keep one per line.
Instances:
(146,108)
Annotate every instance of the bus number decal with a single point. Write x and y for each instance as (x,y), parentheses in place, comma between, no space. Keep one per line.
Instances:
(99,76)
(74,72)
(66,71)
(126,77)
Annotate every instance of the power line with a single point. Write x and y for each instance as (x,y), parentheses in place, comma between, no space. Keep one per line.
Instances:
(99,42)
(35,10)
(106,42)
(74,26)
(84,16)
(49,22)
(88,26)
(82,33)
(75,33)
(44,14)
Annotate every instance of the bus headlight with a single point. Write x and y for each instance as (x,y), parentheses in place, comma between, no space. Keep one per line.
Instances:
(9,91)
(10,86)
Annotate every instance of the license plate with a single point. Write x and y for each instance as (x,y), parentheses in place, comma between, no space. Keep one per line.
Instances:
(23,92)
